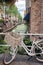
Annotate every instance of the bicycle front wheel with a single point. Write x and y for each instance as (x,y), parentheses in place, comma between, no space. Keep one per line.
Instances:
(10,56)
(39,51)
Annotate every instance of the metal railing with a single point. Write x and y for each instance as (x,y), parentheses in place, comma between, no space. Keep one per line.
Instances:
(30,34)
(34,34)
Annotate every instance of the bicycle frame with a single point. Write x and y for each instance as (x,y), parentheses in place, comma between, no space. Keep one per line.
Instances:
(28,51)
(31,52)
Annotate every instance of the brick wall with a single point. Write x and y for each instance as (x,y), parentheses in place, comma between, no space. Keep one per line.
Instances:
(36,20)
(41,25)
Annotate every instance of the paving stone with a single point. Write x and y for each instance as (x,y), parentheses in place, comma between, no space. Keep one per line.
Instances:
(23,60)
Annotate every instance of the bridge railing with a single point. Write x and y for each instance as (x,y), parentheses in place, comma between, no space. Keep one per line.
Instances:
(22,34)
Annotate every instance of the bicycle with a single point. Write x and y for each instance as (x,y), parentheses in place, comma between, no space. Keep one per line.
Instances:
(35,50)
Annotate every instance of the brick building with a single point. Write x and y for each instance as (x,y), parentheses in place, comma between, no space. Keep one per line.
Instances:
(36,20)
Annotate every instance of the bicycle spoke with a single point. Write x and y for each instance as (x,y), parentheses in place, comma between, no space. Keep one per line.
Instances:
(39,54)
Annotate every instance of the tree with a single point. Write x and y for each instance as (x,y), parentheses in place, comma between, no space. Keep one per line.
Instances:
(13,9)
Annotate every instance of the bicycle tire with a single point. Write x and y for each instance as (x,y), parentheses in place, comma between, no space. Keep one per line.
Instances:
(13,57)
(39,56)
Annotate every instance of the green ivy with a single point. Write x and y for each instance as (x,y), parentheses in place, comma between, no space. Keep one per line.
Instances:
(3,48)
(1,20)
(27,41)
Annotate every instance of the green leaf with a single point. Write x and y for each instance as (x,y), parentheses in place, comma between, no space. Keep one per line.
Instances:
(14,11)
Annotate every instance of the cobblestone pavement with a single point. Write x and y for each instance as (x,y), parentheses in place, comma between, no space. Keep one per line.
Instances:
(23,60)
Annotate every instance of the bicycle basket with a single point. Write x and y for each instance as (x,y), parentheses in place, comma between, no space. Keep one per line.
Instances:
(13,40)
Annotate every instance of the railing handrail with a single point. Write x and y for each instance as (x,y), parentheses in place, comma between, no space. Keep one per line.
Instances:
(34,34)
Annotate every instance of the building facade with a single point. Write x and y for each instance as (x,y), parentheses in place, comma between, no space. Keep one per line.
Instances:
(28,5)
(36,20)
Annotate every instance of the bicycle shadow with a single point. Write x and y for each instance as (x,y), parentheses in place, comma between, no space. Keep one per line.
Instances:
(27,59)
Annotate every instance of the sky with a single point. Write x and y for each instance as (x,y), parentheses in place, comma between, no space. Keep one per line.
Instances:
(21,5)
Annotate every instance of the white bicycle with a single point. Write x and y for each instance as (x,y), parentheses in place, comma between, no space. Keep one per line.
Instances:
(36,49)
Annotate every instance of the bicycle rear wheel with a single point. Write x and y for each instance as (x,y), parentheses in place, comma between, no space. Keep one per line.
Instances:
(39,52)
(10,56)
